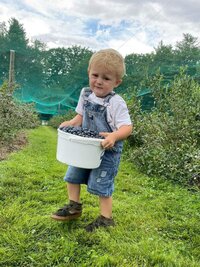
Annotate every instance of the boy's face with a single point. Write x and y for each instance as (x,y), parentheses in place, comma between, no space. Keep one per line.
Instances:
(102,81)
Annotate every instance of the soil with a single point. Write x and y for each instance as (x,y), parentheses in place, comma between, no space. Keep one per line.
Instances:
(18,143)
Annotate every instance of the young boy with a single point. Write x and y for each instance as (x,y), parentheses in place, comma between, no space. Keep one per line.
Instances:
(101,110)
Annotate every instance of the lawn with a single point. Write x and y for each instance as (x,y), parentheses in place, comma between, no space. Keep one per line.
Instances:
(157,222)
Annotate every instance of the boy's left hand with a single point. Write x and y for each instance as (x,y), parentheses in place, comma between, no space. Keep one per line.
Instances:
(109,140)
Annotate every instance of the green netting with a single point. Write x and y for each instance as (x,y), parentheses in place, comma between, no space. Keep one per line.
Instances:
(144,91)
(55,92)
(47,100)
(52,78)
(45,97)
(52,91)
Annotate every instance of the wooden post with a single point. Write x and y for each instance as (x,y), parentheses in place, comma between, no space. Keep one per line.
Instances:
(11,71)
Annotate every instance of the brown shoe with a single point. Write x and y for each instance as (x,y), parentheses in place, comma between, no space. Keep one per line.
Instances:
(69,212)
(101,221)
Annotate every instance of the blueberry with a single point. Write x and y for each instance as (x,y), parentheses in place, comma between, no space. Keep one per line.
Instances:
(84,132)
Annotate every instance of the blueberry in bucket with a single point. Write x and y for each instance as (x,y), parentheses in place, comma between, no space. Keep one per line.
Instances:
(84,132)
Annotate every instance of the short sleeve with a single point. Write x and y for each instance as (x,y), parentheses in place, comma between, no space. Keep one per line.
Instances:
(119,114)
(79,107)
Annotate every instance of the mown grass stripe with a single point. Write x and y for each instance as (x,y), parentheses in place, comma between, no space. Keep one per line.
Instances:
(157,221)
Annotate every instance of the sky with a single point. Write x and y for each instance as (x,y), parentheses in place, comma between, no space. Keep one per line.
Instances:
(129,26)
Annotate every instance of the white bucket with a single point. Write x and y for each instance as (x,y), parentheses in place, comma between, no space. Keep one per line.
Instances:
(78,151)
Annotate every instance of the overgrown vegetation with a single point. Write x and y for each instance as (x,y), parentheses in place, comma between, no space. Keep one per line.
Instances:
(14,116)
(166,141)
(157,223)
(55,121)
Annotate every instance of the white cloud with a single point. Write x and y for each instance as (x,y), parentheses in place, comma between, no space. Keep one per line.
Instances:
(132,46)
(40,26)
(134,26)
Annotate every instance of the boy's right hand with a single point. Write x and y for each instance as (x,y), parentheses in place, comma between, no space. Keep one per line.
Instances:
(76,121)
(65,124)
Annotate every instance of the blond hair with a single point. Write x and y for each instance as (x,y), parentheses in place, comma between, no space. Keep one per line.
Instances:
(111,60)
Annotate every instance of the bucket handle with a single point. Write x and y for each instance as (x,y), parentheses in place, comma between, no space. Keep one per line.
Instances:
(83,142)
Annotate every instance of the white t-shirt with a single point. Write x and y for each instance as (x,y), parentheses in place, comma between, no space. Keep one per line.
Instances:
(117,111)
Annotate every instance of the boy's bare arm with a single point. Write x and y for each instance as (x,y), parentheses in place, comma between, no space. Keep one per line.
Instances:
(110,138)
(76,121)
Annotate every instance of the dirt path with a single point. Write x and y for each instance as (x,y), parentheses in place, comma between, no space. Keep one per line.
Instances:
(19,142)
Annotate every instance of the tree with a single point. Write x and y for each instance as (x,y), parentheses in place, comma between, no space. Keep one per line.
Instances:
(188,50)
(164,61)
(16,37)
(13,39)
(3,32)
(163,54)
(3,53)
(61,64)
(188,54)
(189,43)
(138,67)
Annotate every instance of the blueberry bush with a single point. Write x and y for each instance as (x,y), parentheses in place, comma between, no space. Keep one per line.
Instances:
(14,116)
(56,120)
(166,141)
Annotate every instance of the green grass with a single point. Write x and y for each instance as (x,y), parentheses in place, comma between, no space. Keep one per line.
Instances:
(157,222)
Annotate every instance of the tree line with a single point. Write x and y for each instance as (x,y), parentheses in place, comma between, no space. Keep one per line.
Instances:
(55,76)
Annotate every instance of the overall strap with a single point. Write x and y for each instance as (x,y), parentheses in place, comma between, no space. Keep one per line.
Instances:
(87,91)
(108,97)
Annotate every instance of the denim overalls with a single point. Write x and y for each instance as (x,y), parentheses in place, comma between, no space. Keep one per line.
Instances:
(100,181)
